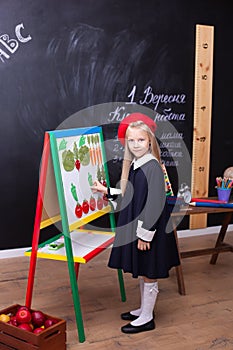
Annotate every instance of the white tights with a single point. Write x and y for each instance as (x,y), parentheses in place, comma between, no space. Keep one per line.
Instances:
(149,292)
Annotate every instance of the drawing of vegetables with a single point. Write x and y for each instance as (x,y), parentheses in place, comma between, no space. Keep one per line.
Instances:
(98,150)
(76,156)
(81,154)
(100,203)
(103,176)
(82,141)
(92,203)
(78,208)
(77,164)
(85,206)
(74,192)
(99,174)
(90,181)
(68,160)
(62,145)
(84,155)
(75,150)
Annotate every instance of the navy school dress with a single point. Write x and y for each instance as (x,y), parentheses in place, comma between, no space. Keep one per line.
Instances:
(144,200)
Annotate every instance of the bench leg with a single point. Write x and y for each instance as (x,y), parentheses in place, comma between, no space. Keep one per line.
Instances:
(180,280)
(179,270)
(221,236)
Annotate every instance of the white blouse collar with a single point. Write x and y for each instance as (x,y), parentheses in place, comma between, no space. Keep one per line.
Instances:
(137,163)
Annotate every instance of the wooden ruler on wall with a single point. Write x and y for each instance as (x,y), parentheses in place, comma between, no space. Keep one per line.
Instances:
(202,117)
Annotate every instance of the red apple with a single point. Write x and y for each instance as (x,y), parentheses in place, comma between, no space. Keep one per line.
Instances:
(23,316)
(13,321)
(23,307)
(31,325)
(49,322)
(25,327)
(38,318)
(38,330)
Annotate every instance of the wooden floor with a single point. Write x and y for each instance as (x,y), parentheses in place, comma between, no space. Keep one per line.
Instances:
(201,320)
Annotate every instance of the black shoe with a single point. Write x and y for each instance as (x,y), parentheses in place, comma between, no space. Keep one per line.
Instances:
(129,328)
(127,316)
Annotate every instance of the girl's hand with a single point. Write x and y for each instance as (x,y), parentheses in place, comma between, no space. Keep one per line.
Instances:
(98,187)
(142,245)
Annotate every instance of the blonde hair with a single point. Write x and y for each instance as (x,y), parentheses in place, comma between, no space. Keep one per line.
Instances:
(128,156)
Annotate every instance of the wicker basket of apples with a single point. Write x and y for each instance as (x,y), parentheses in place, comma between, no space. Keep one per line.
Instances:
(27,329)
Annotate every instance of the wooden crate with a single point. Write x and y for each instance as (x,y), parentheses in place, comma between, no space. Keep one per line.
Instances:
(13,338)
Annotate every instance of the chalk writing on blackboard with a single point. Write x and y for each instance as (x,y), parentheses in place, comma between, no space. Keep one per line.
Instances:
(11,45)
(155,99)
(151,97)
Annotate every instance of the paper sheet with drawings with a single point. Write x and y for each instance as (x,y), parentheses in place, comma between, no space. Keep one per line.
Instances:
(83,242)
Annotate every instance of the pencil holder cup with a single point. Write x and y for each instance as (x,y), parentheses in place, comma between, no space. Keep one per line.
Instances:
(224,194)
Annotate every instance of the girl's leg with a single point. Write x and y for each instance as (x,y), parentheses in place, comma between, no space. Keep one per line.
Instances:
(137,312)
(132,315)
(148,303)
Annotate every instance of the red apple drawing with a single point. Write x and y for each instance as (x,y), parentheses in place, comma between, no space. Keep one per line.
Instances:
(38,318)
(23,316)
(25,327)
(78,210)
(100,203)
(85,206)
(92,203)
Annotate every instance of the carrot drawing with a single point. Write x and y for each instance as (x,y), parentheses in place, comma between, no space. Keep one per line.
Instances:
(100,155)
(93,150)
(91,155)
(97,149)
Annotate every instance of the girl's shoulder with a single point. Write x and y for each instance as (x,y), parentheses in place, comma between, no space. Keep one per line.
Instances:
(152,169)
(145,161)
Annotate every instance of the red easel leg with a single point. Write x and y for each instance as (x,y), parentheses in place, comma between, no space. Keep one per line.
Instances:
(38,215)
(76,268)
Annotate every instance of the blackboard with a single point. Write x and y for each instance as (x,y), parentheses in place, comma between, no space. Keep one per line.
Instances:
(59,58)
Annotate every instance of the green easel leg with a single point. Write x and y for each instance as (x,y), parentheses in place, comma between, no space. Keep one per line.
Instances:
(120,275)
(76,301)
(122,286)
(66,233)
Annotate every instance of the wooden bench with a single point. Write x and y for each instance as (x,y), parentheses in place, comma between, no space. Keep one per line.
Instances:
(220,245)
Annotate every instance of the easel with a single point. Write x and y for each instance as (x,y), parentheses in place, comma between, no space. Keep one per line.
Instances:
(51,197)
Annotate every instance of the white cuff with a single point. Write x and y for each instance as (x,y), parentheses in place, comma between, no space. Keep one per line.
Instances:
(114,203)
(114,191)
(144,234)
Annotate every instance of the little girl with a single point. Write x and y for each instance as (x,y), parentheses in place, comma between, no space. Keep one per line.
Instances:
(142,246)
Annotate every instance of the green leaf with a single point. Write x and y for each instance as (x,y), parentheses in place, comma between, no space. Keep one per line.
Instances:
(62,145)
(90,179)
(82,141)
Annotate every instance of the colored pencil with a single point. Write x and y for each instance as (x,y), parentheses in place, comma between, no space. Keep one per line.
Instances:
(202,200)
(215,205)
